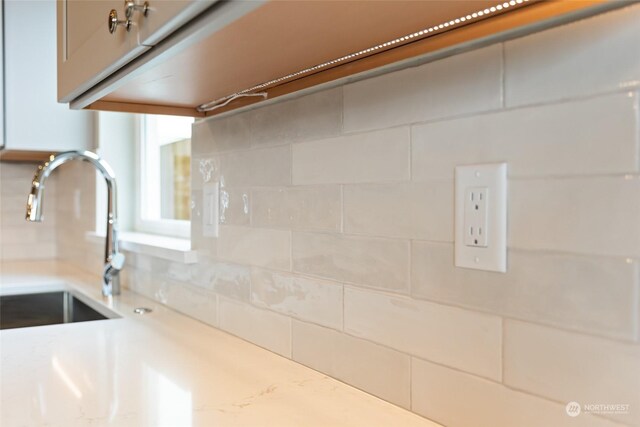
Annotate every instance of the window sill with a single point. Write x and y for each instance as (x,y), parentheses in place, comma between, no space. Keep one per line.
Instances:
(168,248)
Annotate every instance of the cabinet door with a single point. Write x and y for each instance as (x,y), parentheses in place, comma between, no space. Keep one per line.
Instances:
(87,51)
(35,121)
(166,16)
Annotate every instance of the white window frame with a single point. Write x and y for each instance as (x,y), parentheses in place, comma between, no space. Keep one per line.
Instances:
(148,194)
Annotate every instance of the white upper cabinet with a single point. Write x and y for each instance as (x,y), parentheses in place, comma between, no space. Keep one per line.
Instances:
(34,120)
(89,50)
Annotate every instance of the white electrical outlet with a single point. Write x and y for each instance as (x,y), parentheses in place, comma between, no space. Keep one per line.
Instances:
(475,216)
(481,217)
(210,209)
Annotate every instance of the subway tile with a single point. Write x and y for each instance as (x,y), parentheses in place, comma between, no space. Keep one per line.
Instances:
(314,116)
(234,206)
(375,369)
(587,57)
(591,294)
(21,251)
(375,262)
(229,280)
(261,327)
(258,167)
(268,166)
(255,246)
(314,208)
(380,156)
(456,399)
(451,336)
(193,302)
(405,210)
(589,215)
(28,233)
(218,135)
(313,300)
(466,83)
(560,139)
(570,367)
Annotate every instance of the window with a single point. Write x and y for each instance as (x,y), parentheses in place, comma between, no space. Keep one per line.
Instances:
(164,181)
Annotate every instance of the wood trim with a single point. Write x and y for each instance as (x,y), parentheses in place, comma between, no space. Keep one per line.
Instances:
(24,156)
(531,14)
(144,108)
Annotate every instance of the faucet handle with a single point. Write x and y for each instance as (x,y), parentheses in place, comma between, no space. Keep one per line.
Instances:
(116,262)
(110,277)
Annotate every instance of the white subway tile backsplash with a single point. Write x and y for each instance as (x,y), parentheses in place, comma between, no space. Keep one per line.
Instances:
(28,251)
(229,280)
(587,57)
(219,135)
(260,167)
(590,294)
(314,116)
(550,140)
(451,336)
(314,300)
(588,215)
(19,239)
(570,367)
(375,262)
(335,241)
(193,302)
(315,208)
(255,246)
(461,84)
(262,327)
(456,399)
(368,366)
(405,210)
(380,156)
(234,206)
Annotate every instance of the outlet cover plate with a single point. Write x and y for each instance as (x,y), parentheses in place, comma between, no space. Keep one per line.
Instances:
(491,253)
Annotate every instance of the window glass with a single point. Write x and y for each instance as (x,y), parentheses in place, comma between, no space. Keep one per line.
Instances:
(165,174)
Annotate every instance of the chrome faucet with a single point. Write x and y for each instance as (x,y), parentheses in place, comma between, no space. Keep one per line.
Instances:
(113,259)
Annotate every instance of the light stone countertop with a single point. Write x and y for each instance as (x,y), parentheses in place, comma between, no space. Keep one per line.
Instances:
(160,369)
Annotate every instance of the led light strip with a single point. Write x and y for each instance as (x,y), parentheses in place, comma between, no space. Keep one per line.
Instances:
(221,102)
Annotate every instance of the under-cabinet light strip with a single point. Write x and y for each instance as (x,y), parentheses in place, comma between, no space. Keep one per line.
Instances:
(218,103)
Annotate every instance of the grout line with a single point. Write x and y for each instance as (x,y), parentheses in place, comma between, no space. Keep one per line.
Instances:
(341,130)
(343,310)
(411,384)
(290,164)
(409,268)
(342,214)
(503,327)
(290,338)
(502,76)
(479,113)
(290,250)
(637,109)
(410,166)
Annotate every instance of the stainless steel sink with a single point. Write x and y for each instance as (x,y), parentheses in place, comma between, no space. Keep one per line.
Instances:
(46,308)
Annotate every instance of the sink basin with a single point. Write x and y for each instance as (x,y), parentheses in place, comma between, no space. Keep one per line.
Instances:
(46,308)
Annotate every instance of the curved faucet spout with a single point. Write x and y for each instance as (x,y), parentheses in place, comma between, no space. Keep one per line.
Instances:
(113,259)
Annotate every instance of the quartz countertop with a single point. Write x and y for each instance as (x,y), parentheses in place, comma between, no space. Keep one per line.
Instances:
(161,368)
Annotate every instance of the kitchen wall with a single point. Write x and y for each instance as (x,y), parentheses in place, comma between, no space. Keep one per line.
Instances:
(19,239)
(336,229)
